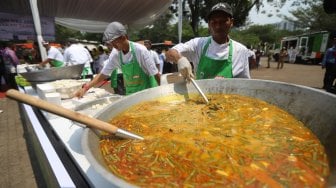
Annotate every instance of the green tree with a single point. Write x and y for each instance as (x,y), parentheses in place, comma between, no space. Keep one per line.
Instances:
(63,33)
(159,31)
(268,33)
(248,39)
(197,10)
(240,8)
(313,17)
(92,36)
(162,29)
(260,36)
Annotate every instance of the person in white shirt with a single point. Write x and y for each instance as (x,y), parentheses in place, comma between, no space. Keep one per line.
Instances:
(162,58)
(154,54)
(291,55)
(55,57)
(252,59)
(217,56)
(137,65)
(77,54)
(99,62)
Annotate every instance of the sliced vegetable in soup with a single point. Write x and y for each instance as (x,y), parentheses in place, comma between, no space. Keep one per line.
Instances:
(233,141)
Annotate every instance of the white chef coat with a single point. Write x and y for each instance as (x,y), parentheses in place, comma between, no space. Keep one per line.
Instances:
(54,53)
(156,59)
(193,50)
(77,54)
(143,57)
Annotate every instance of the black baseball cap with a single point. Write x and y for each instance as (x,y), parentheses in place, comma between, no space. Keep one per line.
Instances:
(148,42)
(224,7)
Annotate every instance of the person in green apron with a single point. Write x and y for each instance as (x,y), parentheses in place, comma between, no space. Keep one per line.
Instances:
(117,82)
(55,57)
(138,68)
(216,56)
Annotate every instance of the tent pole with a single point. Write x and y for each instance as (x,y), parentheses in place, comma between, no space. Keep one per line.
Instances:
(37,24)
(180,16)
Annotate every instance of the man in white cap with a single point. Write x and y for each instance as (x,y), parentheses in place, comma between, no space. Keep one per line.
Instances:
(55,57)
(76,54)
(138,68)
(217,56)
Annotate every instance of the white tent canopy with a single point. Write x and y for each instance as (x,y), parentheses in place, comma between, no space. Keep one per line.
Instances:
(87,15)
(91,15)
(82,25)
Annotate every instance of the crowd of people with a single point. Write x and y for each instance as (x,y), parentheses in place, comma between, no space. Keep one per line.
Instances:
(281,57)
(133,67)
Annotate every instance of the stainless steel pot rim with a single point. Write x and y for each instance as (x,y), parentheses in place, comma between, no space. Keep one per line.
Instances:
(301,101)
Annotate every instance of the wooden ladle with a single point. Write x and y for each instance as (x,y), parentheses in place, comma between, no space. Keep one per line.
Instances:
(69,114)
(199,90)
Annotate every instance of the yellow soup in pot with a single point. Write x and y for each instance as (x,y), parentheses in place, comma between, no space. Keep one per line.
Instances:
(234,141)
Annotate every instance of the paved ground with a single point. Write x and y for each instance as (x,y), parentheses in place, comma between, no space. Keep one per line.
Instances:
(307,75)
(15,165)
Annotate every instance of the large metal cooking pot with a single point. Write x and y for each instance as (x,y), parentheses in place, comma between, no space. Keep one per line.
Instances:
(52,74)
(315,108)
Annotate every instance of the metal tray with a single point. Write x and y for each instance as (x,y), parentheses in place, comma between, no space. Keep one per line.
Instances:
(88,107)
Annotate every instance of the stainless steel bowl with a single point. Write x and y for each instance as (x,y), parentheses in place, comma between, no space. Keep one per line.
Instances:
(315,108)
(36,76)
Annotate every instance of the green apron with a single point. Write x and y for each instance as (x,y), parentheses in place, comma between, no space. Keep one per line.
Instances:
(56,63)
(134,77)
(114,79)
(210,68)
(85,72)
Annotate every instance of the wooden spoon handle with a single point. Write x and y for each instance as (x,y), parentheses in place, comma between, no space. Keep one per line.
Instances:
(61,111)
(200,91)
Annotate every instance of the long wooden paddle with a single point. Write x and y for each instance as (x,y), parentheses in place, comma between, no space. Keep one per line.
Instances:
(69,114)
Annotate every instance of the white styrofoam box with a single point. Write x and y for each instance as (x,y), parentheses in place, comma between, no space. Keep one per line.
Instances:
(67,102)
(42,89)
(54,98)
(69,105)
(67,87)
(68,92)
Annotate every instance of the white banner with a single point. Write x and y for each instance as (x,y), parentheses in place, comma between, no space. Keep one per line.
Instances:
(21,27)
